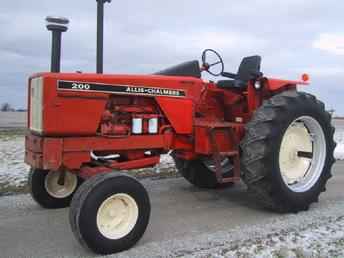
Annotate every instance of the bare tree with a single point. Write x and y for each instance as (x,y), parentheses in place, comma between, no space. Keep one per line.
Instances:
(6,107)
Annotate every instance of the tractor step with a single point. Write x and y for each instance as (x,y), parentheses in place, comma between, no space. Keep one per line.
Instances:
(217,154)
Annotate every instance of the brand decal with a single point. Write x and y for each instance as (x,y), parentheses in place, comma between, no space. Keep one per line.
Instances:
(119,89)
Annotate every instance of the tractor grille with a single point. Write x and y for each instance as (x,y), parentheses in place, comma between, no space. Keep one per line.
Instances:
(36,103)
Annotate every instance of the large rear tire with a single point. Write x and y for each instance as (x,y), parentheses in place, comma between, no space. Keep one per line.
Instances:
(287,151)
(200,173)
(109,213)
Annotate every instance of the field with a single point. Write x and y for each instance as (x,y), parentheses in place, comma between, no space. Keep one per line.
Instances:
(12,120)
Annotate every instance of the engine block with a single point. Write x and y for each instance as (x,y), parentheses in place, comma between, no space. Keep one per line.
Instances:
(130,115)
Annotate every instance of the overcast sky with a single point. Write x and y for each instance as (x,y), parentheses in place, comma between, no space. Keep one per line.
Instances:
(142,36)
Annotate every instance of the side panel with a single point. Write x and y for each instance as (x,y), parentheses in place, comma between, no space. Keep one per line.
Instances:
(179,112)
(70,112)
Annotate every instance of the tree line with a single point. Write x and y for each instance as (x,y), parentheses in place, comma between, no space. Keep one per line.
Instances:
(6,107)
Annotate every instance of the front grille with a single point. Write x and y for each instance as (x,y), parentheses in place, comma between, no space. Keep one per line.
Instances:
(36,102)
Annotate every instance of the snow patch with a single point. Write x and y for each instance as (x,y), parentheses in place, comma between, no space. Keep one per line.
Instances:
(13,170)
(317,239)
(339,151)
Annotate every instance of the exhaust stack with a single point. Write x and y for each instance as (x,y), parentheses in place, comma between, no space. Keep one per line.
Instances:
(100,34)
(56,25)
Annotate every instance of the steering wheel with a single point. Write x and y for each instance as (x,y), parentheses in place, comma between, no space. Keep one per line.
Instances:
(218,61)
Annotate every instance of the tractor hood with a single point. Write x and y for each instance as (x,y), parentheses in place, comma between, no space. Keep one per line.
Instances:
(190,68)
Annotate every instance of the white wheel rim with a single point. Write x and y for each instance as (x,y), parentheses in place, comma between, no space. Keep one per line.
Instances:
(302,154)
(60,191)
(117,216)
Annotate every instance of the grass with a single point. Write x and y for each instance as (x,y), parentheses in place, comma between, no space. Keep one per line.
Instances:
(10,133)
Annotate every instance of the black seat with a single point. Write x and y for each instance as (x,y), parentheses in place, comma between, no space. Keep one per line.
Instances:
(249,69)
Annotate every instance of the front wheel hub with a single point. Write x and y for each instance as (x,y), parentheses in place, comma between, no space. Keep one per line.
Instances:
(57,190)
(117,216)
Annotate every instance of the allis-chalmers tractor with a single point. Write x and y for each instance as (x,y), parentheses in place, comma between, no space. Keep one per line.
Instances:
(84,129)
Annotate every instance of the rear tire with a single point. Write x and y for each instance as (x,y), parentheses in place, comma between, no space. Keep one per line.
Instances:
(277,170)
(198,174)
(47,193)
(109,213)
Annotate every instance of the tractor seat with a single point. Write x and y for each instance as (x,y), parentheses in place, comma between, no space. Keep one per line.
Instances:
(231,84)
(249,69)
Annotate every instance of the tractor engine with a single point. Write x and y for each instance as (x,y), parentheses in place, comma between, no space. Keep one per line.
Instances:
(124,116)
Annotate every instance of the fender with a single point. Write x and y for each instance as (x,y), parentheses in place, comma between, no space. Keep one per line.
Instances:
(276,84)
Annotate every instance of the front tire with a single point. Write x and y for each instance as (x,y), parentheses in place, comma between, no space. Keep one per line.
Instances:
(110,213)
(287,151)
(46,191)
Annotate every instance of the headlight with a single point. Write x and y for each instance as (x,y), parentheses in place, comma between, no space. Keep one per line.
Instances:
(257,85)
(36,103)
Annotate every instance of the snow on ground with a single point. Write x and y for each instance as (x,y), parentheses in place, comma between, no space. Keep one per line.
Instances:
(318,239)
(13,170)
(339,151)
(315,233)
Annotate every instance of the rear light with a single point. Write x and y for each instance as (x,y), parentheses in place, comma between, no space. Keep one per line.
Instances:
(305,77)
(36,103)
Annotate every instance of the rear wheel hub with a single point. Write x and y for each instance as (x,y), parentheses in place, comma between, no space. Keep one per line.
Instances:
(302,154)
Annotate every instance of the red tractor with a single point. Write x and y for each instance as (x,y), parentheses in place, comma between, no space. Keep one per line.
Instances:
(84,129)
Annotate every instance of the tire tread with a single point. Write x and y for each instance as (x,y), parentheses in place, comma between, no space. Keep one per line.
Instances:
(256,153)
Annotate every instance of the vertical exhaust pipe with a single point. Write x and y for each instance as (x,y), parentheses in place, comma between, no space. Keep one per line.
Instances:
(100,34)
(56,25)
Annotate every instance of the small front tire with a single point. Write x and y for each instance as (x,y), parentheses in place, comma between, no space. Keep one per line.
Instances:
(110,213)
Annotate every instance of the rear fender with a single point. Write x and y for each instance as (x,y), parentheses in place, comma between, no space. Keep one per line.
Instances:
(278,84)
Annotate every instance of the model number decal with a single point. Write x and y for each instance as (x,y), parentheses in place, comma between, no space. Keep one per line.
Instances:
(81,86)
(119,89)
